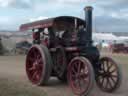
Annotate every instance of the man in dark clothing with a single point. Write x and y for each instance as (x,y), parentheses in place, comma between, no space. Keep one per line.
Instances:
(81,35)
(66,38)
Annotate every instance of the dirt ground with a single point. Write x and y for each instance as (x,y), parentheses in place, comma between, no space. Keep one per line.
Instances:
(13,80)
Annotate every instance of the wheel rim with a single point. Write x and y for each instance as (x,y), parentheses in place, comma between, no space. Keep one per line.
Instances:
(34,65)
(78,75)
(108,75)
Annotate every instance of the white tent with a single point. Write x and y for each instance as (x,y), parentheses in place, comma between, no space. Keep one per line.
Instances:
(123,38)
(104,37)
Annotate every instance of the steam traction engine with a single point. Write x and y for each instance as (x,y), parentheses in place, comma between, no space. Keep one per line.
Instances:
(62,47)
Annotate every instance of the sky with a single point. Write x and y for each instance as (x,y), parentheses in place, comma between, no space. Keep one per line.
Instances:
(108,15)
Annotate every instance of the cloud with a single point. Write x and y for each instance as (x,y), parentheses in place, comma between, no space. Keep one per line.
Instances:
(6,22)
(21,4)
(5,3)
(73,1)
(109,15)
(118,16)
(4,19)
(112,5)
(38,18)
(110,24)
(11,22)
(16,3)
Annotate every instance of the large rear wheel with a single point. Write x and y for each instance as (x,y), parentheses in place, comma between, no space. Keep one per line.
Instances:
(38,64)
(80,76)
(109,76)
(61,64)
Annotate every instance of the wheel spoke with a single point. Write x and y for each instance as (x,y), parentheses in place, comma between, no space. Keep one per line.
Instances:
(110,66)
(31,59)
(73,70)
(113,80)
(79,84)
(37,77)
(73,76)
(39,69)
(103,66)
(84,75)
(34,75)
(113,70)
(34,53)
(79,67)
(76,83)
(32,68)
(86,80)
(107,82)
(102,81)
(75,65)
(38,57)
(110,83)
(40,61)
(85,70)
(107,63)
(39,65)
(114,76)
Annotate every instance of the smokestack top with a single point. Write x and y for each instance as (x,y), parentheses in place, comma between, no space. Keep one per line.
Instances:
(88,8)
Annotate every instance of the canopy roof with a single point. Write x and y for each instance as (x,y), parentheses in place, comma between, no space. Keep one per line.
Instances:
(57,21)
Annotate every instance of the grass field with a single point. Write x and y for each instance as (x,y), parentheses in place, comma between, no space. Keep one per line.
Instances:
(13,80)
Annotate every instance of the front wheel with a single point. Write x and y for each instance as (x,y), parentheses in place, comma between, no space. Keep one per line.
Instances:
(109,76)
(80,76)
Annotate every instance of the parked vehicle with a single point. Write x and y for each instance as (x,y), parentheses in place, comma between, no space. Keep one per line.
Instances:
(119,48)
(23,46)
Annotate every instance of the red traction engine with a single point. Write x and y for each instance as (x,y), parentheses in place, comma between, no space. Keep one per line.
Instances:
(62,47)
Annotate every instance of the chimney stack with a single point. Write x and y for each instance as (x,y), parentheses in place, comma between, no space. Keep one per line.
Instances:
(88,21)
